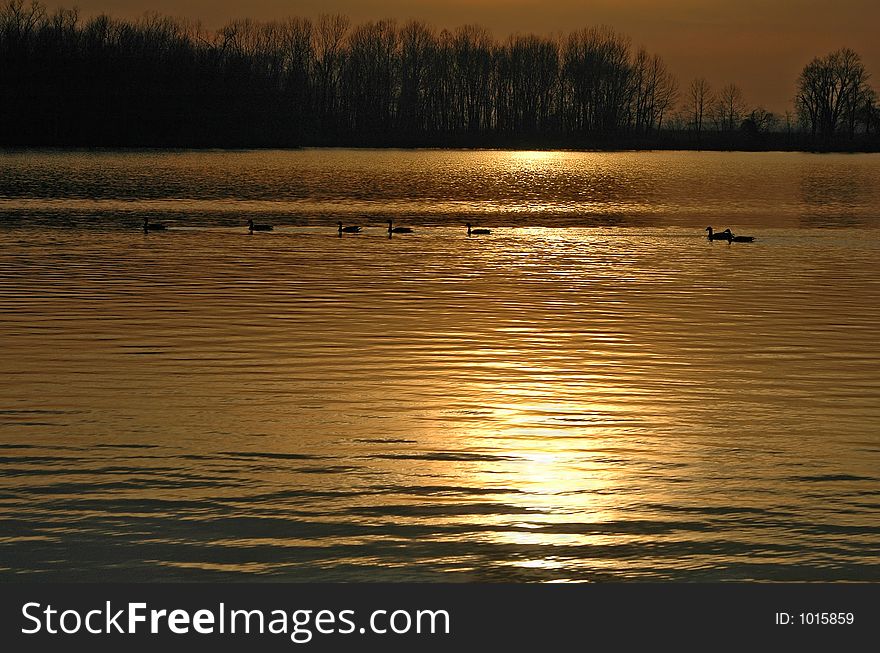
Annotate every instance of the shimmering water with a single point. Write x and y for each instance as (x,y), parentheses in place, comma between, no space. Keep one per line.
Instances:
(592,392)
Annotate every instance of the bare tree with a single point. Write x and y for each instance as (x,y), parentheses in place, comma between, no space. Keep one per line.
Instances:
(789,122)
(473,48)
(417,46)
(371,76)
(831,92)
(329,42)
(728,108)
(598,80)
(764,121)
(699,98)
(870,112)
(665,92)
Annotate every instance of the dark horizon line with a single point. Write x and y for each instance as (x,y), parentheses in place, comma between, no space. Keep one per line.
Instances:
(673,141)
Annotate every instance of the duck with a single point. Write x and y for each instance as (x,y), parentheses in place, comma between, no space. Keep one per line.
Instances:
(258,227)
(350,229)
(398,230)
(477,232)
(741,239)
(719,235)
(153,226)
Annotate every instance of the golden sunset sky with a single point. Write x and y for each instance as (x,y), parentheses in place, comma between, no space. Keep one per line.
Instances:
(759,44)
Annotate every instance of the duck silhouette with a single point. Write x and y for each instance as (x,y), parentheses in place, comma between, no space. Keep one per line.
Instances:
(350,229)
(153,226)
(477,232)
(719,235)
(398,230)
(258,227)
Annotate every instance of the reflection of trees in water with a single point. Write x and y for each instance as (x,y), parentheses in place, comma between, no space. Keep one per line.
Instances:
(834,195)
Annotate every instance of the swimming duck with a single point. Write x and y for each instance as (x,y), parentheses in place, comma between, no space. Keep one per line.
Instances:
(351,229)
(398,230)
(742,239)
(721,235)
(477,232)
(153,226)
(258,227)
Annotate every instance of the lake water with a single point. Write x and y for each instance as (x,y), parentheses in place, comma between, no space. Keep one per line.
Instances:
(592,392)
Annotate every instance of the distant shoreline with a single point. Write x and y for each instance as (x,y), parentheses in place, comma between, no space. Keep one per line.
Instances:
(676,146)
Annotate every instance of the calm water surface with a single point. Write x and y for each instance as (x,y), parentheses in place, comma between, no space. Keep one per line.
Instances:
(592,392)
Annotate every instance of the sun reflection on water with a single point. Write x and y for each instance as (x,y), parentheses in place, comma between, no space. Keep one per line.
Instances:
(544,403)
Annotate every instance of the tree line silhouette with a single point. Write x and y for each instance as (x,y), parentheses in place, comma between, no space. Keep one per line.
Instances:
(164,82)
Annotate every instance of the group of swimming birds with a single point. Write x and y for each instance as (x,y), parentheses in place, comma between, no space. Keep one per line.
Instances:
(350,229)
(354,229)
